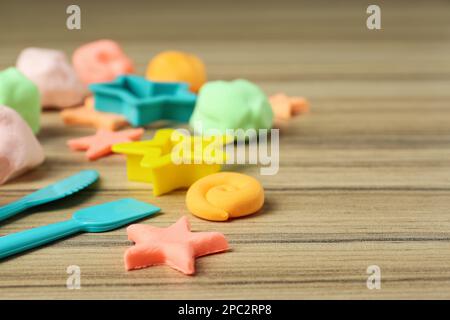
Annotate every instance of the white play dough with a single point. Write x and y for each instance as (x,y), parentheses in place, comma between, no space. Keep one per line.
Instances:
(53,75)
(19,149)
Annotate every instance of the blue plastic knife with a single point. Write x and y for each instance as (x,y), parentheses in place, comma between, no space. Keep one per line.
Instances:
(50,193)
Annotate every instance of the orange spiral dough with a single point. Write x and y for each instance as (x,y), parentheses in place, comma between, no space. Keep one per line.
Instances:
(225,195)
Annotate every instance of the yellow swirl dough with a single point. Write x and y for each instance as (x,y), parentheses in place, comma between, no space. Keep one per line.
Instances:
(225,195)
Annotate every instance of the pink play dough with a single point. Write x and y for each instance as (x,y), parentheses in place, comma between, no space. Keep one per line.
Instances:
(19,149)
(55,77)
(101,61)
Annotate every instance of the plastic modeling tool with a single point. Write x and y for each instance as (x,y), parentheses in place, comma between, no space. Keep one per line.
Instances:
(142,101)
(50,193)
(153,160)
(100,218)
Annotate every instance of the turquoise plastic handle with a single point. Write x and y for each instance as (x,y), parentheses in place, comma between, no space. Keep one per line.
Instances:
(25,240)
(12,208)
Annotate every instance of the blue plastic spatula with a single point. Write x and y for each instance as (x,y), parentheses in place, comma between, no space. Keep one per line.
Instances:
(100,218)
(52,192)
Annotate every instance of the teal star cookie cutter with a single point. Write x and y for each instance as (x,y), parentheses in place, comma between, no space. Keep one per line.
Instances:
(142,101)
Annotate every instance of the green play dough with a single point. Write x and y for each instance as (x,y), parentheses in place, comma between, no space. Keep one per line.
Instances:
(22,95)
(238,104)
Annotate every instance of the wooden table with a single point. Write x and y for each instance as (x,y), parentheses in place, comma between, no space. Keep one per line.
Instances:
(364,179)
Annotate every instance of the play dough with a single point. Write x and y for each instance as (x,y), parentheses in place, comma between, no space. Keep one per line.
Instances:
(22,95)
(54,76)
(87,116)
(99,145)
(176,66)
(19,149)
(101,61)
(225,195)
(175,246)
(237,104)
(285,107)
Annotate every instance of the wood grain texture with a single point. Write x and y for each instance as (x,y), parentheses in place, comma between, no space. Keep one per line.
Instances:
(364,179)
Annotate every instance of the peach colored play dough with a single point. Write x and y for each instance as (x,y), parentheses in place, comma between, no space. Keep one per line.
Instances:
(225,195)
(177,66)
(55,77)
(101,61)
(285,107)
(19,149)
(99,145)
(175,246)
(87,116)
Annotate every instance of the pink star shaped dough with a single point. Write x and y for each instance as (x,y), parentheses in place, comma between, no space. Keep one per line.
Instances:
(99,145)
(175,246)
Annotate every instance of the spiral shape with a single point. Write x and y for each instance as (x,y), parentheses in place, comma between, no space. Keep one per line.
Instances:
(225,195)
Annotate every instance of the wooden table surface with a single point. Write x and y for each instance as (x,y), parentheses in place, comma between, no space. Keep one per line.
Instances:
(364,179)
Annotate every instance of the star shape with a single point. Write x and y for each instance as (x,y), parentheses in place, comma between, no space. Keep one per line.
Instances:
(142,101)
(87,116)
(175,246)
(152,161)
(99,145)
(285,107)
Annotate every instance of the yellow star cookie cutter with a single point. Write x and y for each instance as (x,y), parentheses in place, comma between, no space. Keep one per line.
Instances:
(172,160)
